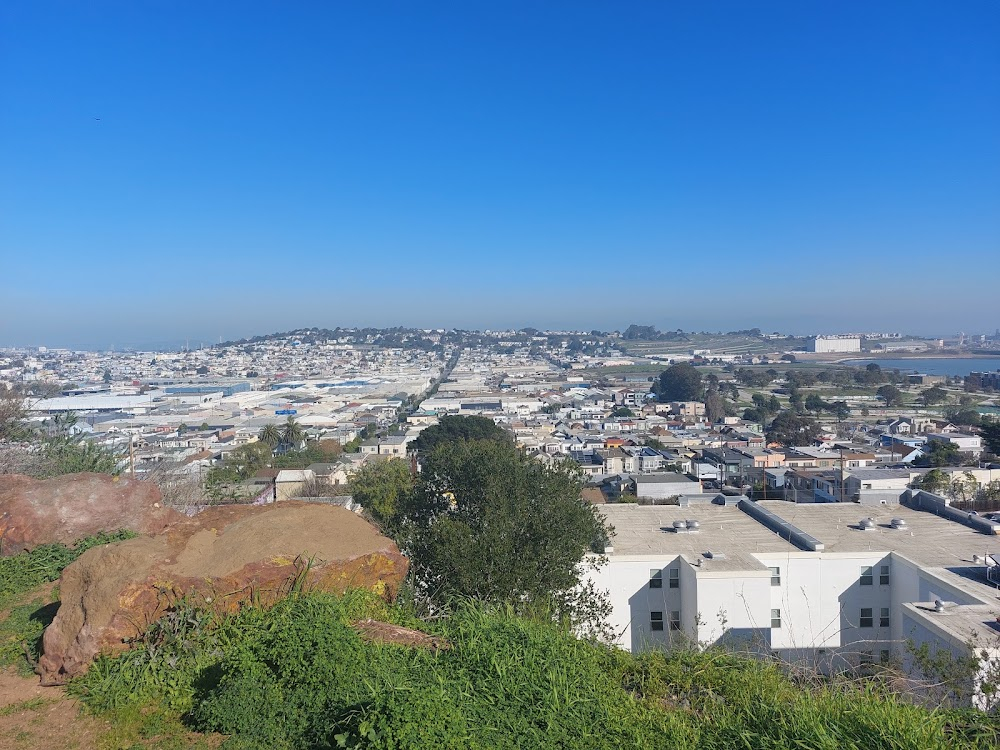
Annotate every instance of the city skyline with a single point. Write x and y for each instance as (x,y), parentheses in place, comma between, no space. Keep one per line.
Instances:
(180,172)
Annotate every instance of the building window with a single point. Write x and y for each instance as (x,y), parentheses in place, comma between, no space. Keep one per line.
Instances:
(866,576)
(656,621)
(675,578)
(865,658)
(775,576)
(883,656)
(883,617)
(867,620)
(656,579)
(883,575)
(675,620)
(775,618)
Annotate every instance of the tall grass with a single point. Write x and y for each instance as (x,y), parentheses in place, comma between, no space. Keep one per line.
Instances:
(297,675)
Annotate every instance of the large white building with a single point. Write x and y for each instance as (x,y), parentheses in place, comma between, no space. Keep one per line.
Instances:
(834,344)
(814,583)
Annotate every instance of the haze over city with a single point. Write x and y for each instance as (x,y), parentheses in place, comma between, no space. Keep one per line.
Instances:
(190,172)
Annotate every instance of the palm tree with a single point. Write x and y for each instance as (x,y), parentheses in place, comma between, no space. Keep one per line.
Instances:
(292,433)
(269,434)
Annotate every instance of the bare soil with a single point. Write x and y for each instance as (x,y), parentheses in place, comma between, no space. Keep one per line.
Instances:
(33,717)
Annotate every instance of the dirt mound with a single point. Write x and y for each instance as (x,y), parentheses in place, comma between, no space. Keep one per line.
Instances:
(376,631)
(63,509)
(223,556)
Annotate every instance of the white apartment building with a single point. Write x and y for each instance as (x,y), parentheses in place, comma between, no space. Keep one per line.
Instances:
(829,585)
(834,344)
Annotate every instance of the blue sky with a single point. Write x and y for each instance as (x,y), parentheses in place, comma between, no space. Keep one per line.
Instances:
(802,166)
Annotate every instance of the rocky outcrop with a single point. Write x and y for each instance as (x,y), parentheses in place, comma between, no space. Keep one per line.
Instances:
(64,509)
(221,557)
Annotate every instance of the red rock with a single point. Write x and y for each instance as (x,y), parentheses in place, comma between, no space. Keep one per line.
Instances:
(66,508)
(223,557)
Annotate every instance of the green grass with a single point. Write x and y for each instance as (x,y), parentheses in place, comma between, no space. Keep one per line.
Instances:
(298,676)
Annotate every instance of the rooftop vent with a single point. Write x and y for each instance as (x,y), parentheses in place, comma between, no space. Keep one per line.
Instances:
(715,555)
(866,523)
(899,523)
(693,526)
(938,605)
(680,527)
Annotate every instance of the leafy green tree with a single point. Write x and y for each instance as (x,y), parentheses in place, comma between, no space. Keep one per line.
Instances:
(890,394)
(815,403)
(679,382)
(840,410)
(789,428)
(270,434)
(379,487)
(248,459)
(969,417)
(487,522)
(452,428)
(70,454)
(934,395)
(940,453)
(990,432)
(622,411)
(934,481)
(795,399)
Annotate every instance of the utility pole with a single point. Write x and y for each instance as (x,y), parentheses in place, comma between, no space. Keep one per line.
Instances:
(841,474)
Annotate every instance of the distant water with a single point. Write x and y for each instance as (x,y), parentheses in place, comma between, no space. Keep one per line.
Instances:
(934,366)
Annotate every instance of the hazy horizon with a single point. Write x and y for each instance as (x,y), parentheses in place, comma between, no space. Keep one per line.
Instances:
(179,172)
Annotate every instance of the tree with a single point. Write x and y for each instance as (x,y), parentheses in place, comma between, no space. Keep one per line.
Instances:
(940,453)
(789,428)
(13,415)
(487,522)
(248,459)
(329,448)
(715,406)
(292,432)
(934,481)
(840,410)
(969,417)
(679,382)
(890,394)
(452,428)
(815,403)
(379,487)
(270,434)
(990,432)
(934,395)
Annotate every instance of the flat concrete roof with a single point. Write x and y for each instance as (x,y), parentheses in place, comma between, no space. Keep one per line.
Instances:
(647,530)
(929,540)
(966,623)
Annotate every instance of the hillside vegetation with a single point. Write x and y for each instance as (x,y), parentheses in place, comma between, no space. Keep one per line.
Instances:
(299,676)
